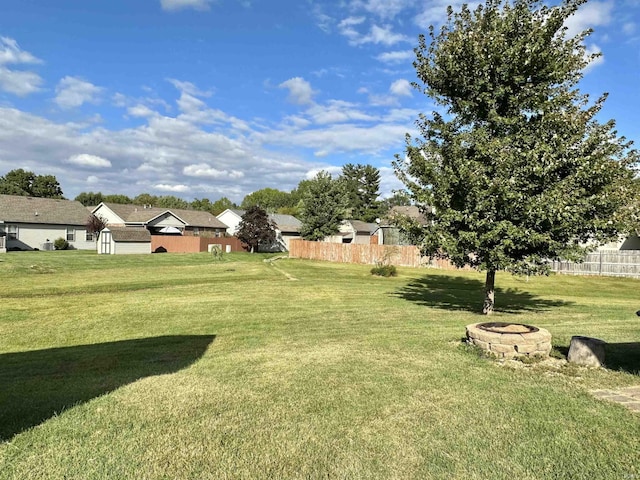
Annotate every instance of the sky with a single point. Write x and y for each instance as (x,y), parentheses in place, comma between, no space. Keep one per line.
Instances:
(219,98)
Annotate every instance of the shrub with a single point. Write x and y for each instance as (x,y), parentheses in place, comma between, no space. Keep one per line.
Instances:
(384,270)
(60,244)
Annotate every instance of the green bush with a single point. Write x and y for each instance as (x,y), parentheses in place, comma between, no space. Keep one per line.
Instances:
(385,270)
(60,244)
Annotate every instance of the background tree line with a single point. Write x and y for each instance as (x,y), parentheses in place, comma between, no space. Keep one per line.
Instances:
(355,194)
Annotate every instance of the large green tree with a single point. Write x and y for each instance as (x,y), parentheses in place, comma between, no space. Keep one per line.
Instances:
(90,199)
(323,207)
(271,199)
(28,184)
(117,198)
(519,169)
(256,228)
(362,188)
(145,199)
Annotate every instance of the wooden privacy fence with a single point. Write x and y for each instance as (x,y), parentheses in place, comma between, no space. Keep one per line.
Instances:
(621,263)
(189,244)
(613,263)
(405,256)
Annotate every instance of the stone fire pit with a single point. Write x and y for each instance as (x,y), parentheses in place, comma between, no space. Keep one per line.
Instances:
(508,340)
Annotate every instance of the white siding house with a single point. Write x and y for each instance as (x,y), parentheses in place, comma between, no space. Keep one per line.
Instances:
(32,223)
(154,219)
(287,227)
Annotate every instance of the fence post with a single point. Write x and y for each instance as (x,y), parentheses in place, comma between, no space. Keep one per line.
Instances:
(600,267)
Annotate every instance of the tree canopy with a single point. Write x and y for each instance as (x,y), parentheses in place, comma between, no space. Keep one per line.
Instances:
(518,169)
(362,188)
(28,184)
(89,199)
(256,228)
(323,207)
(270,199)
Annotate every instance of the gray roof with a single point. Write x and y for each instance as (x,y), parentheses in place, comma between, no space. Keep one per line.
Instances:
(284,223)
(363,227)
(130,234)
(411,211)
(14,208)
(140,214)
(237,211)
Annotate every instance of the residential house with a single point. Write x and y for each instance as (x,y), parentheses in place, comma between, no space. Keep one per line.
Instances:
(388,232)
(287,227)
(631,242)
(32,223)
(354,231)
(160,221)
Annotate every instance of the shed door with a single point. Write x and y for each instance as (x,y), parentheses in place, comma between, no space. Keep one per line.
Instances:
(105,242)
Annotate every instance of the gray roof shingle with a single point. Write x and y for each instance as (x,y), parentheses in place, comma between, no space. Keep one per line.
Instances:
(130,234)
(14,208)
(140,214)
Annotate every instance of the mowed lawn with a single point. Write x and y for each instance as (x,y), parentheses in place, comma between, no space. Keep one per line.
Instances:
(177,366)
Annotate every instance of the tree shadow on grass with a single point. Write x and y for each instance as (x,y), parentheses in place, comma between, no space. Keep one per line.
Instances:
(623,356)
(460,293)
(36,385)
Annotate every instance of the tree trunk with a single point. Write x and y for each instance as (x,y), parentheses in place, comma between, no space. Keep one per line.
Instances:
(489,292)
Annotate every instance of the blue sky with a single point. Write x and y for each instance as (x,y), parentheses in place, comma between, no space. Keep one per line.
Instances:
(212,98)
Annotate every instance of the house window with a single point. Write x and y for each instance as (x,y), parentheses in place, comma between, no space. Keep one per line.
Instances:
(90,236)
(196,231)
(218,235)
(12,232)
(71,234)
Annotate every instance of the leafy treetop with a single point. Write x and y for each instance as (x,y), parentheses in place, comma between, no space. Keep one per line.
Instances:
(518,169)
(28,184)
(256,228)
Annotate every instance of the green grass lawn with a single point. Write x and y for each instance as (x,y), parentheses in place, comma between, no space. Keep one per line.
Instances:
(176,366)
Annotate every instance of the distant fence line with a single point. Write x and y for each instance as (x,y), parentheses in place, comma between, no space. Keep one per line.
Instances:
(404,256)
(611,263)
(620,263)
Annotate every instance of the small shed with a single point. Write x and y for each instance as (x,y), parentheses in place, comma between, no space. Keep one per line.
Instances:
(124,240)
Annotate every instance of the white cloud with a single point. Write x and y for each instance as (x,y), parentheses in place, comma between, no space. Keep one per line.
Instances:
(337,111)
(385,9)
(73,92)
(345,27)
(589,15)
(590,50)
(140,111)
(92,179)
(377,35)
(397,56)
(86,160)
(10,52)
(332,170)
(300,91)
(342,138)
(172,188)
(173,5)
(377,100)
(323,21)
(189,88)
(401,88)
(205,170)
(18,82)
(629,28)
(435,12)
